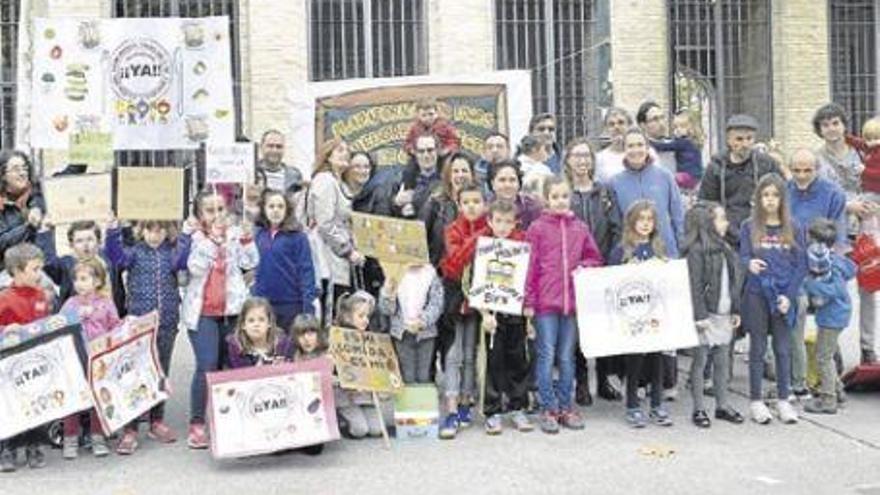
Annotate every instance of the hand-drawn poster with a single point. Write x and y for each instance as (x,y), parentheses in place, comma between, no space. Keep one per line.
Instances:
(499,280)
(265,409)
(73,198)
(93,149)
(365,361)
(231,163)
(41,374)
(148,193)
(390,239)
(124,372)
(154,83)
(635,308)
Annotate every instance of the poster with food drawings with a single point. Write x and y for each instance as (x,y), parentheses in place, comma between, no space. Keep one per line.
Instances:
(41,374)
(154,83)
(499,280)
(124,372)
(264,409)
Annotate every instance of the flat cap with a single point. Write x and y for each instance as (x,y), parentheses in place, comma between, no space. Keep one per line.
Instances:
(741,121)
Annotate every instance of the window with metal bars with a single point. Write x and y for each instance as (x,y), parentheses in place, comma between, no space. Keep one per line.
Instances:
(721,59)
(366,38)
(852,37)
(555,40)
(9,15)
(183,8)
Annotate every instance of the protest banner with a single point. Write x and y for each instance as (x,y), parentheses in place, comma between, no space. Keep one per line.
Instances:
(499,280)
(92,149)
(374,115)
(232,163)
(149,193)
(365,361)
(634,308)
(153,83)
(41,374)
(390,240)
(125,377)
(262,409)
(73,198)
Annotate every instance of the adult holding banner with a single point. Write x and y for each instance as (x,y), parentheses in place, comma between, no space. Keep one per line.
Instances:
(23,205)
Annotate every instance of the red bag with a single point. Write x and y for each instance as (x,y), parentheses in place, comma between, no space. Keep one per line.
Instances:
(866,254)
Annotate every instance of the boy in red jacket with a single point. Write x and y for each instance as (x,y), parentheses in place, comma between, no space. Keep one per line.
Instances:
(460,387)
(429,122)
(23,302)
(507,366)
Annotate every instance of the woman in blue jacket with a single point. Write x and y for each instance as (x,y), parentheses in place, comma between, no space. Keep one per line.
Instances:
(285,275)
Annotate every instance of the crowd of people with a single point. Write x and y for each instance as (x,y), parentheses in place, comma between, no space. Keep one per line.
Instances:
(256,278)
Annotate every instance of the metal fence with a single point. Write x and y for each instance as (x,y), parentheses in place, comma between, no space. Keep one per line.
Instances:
(366,38)
(555,40)
(852,38)
(9,15)
(721,59)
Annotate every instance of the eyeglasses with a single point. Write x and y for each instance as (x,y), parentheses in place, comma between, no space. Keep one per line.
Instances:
(545,128)
(426,151)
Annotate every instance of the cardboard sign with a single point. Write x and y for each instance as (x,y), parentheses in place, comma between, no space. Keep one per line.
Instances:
(417,412)
(74,198)
(41,374)
(635,308)
(93,149)
(391,240)
(499,280)
(144,193)
(264,409)
(231,163)
(365,361)
(124,372)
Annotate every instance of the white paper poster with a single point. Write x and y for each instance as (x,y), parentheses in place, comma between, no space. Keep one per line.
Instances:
(635,308)
(500,269)
(154,83)
(231,163)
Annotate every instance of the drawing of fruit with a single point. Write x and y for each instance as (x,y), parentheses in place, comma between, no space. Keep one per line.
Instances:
(77,86)
(55,53)
(193,34)
(89,35)
(200,95)
(199,68)
(60,123)
(49,34)
(163,107)
(221,113)
(48,80)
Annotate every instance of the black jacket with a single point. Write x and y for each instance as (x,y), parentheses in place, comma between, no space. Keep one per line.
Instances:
(14,228)
(704,267)
(598,209)
(437,214)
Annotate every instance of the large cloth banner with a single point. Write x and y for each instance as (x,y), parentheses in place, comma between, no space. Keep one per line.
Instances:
(41,374)
(365,361)
(154,83)
(124,372)
(374,115)
(499,280)
(265,409)
(635,308)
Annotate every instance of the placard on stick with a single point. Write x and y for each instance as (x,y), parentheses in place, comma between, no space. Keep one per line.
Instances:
(230,163)
(390,240)
(93,149)
(365,360)
(149,193)
(74,198)
(499,281)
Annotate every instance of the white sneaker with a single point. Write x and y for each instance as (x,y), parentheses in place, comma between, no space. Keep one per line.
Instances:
(787,412)
(760,412)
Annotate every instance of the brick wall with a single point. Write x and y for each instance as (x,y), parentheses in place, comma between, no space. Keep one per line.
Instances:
(460,36)
(639,52)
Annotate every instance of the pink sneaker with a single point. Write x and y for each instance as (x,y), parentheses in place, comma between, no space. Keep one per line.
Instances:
(161,432)
(128,443)
(198,437)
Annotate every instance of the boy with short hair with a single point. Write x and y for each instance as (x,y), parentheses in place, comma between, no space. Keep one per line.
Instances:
(428,121)
(22,303)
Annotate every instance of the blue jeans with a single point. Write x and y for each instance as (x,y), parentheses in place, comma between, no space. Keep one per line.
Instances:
(557,335)
(209,346)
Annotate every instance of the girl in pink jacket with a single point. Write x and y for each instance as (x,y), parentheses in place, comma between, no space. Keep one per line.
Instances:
(560,244)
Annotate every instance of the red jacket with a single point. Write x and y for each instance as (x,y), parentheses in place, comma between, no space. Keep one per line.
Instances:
(442,128)
(871,158)
(22,305)
(461,242)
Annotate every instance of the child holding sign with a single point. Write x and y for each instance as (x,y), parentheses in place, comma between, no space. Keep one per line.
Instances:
(353,407)
(257,341)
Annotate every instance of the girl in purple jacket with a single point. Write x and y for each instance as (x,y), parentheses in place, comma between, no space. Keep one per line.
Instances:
(560,244)
(256,340)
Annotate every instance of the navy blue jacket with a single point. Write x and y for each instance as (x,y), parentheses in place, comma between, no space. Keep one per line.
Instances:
(285,274)
(821,199)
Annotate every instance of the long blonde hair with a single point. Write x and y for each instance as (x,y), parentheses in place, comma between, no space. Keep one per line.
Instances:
(631,240)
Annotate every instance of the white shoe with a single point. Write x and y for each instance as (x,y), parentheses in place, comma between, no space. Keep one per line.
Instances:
(760,412)
(787,412)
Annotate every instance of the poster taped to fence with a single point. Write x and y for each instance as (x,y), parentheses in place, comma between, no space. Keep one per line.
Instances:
(41,374)
(144,193)
(365,361)
(264,409)
(124,372)
(76,198)
(375,115)
(231,163)
(389,239)
(635,308)
(499,280)
(154,83)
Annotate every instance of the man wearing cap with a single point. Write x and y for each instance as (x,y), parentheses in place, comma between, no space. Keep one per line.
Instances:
(733,173)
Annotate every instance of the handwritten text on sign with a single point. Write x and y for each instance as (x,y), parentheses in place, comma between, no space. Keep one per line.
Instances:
(365,360)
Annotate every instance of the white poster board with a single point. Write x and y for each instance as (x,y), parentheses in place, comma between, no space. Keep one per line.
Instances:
(635,308)
(154,83)
(230,163)
(499,280)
